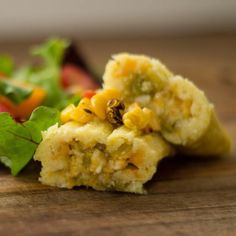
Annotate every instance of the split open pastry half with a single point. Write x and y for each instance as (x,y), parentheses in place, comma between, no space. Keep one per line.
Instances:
(99,156)
(187,119)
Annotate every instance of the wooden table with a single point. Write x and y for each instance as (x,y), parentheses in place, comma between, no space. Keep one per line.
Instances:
(186,197)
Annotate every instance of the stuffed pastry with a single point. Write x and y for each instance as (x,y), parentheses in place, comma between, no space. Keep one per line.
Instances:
(187,119)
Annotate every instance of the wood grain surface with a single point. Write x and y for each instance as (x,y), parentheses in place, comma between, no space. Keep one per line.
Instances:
(187,196)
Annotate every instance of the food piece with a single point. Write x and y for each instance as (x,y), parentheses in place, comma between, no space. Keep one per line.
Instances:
(139,118)
(186,117)
(100,156)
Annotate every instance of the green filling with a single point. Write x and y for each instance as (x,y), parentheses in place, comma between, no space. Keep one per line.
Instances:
(141,85)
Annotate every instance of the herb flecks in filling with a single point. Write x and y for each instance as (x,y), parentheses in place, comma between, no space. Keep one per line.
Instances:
(140,85)
(97,159)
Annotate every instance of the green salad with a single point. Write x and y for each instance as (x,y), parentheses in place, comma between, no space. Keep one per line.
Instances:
(32,96)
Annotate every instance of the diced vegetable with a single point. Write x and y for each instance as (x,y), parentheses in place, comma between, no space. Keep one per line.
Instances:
(16,94)
(26,107)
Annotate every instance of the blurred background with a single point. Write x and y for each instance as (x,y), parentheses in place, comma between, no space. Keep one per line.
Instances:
(30,19)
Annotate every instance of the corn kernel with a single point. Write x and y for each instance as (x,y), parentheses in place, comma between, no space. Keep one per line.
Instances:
(111,93)
(138,118)
(83,112)
(66,113)
(99,103)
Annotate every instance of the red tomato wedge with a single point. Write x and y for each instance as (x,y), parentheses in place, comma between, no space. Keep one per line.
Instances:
(73,75)
(6,107)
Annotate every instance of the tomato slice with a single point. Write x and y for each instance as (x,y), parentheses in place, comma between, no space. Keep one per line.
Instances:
(73,75)
(4,107)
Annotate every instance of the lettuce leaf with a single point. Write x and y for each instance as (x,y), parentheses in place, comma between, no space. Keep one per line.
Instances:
(48,75)
(18,142)
(14,93)
(6,65)
(52,51)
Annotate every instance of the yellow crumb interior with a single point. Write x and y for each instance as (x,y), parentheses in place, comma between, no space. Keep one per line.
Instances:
(184,111)
(95,155)
(137,77)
